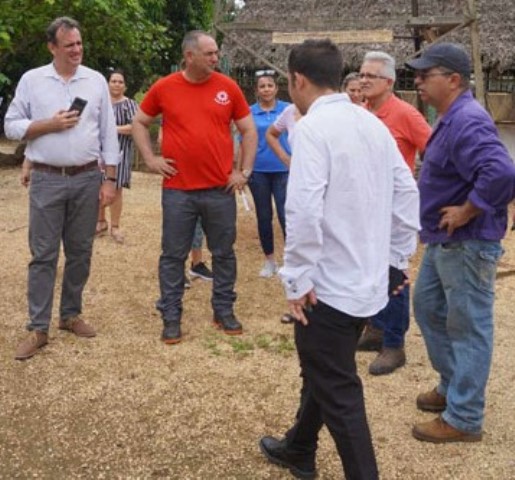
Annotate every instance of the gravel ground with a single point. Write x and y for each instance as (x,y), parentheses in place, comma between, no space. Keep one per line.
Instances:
(124,405)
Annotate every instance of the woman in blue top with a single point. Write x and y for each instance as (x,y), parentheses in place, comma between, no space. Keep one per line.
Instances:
(270,175)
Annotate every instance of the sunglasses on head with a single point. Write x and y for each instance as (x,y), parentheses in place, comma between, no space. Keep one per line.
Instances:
(261,73)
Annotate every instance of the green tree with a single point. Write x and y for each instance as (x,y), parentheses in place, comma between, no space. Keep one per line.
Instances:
(142,37)
(183,16)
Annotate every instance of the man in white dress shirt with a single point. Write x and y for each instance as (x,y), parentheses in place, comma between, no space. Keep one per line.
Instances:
(351,211)
(64,148)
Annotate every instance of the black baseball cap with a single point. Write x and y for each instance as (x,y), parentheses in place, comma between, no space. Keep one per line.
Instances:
(447,55)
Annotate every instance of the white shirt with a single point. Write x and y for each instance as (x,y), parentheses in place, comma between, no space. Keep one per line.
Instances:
(286,121)
(352,208)
(40,93)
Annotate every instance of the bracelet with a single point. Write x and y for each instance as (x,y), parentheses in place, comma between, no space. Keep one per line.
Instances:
(111,179)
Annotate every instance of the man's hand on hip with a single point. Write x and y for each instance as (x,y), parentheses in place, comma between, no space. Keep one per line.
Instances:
(236,181)
(162,166)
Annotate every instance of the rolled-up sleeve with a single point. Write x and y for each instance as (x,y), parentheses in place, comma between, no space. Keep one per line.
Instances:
(483,160)
(109,147)
(18,118)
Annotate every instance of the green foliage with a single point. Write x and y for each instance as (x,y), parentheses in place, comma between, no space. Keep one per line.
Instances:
(186,15)
(277,344)
(143,37)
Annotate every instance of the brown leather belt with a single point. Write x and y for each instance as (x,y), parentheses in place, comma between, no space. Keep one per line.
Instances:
(65,171)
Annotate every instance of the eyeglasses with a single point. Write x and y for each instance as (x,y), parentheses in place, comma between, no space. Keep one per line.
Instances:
(262,73)
(423,75)
(371,76)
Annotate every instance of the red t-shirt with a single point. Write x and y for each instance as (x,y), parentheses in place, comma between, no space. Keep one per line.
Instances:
(407,125)
(197,127)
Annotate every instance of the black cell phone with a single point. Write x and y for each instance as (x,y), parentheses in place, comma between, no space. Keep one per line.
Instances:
(78,104)
(396,278)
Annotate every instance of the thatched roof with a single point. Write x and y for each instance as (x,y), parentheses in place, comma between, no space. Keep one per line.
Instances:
(256,21)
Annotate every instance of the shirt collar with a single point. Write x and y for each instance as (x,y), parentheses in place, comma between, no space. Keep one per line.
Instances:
(258,110)
(50,71)
(465,97)
(327,99)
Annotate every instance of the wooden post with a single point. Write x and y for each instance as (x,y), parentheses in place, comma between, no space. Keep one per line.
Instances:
(476,53)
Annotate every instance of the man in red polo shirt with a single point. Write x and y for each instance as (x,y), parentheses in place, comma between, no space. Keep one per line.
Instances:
(197,106)
(386,330)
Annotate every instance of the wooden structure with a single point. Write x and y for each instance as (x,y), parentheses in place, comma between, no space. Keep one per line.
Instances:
(374,31)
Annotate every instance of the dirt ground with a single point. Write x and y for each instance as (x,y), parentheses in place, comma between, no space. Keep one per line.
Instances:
(124,405)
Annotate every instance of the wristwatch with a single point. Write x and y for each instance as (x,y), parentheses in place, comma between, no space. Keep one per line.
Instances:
(111,179)
(246,173)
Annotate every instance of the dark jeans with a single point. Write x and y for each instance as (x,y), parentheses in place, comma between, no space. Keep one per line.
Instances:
(217,211)
(332,393)
(393,319)
(62,209)
(264,186)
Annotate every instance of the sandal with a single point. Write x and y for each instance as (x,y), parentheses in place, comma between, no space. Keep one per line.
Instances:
(102,228)
(116,234)
(288,318)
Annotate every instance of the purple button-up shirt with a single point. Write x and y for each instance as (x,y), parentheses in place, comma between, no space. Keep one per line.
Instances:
(465,160)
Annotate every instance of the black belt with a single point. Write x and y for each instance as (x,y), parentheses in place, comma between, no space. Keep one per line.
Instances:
(65,171)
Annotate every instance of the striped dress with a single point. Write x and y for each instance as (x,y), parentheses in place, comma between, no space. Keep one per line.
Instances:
(123,113)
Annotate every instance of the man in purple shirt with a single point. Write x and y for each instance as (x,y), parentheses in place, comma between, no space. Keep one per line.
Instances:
(466,182)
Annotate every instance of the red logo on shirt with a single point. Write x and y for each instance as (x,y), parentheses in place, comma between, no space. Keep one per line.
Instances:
(222,98)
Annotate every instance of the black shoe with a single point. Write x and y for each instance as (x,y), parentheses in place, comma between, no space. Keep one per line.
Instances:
(171,333)
(276,452)
(229,324)
(200,270)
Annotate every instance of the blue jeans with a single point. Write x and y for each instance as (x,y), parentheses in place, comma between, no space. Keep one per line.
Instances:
(217,212)
(393,319)
(453,305)
(263,187)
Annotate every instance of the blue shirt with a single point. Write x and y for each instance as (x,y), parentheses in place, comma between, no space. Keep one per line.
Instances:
(266,160)
(465,160)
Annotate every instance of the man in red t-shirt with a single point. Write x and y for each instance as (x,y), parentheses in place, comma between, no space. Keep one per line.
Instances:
(387,329)
(197,106)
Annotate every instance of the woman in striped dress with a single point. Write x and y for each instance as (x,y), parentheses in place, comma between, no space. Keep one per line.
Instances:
(124,109)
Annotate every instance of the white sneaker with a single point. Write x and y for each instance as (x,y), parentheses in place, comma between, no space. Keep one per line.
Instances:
(269,269)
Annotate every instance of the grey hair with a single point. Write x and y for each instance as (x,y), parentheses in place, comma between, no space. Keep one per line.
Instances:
(61,22)
(190,40)
(387,60)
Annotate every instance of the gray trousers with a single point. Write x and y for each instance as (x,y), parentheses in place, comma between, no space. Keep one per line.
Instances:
(217,212)
(62,208)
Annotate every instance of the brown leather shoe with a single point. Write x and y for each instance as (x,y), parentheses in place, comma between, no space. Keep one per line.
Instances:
(438,431)
(371,339)
(77,326)
(388,360)
(431,401)
(29,347)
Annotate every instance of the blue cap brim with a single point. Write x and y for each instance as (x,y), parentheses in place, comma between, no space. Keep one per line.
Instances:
(421,63)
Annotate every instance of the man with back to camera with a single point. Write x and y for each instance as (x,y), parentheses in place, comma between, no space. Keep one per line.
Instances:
(198,106)
(466,182)
(386,331)
(62,155)
(351,210)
